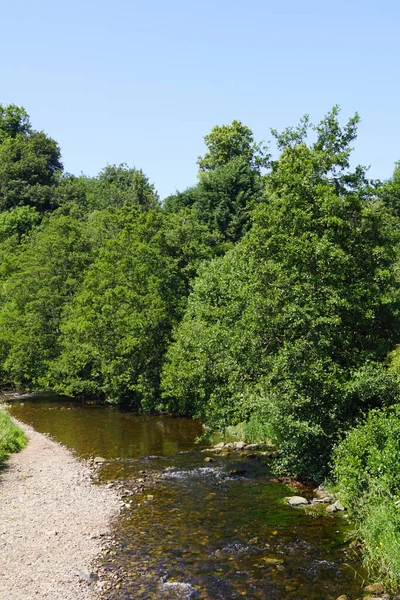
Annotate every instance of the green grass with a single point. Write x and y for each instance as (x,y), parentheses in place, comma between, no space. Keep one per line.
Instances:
(252,432)
(12,438)
(380,532)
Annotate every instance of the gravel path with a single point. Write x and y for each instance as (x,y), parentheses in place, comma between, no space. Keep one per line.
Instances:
(53,523)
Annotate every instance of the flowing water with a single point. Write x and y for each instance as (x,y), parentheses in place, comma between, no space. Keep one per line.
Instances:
(196,529)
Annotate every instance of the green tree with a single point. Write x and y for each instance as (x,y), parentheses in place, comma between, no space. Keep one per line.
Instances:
(280,326)
(116,329)
(226,142)
(222,200)
(29,163)
(41,279)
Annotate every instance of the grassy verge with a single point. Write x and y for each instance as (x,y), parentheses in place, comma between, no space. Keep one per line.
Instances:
(12,438)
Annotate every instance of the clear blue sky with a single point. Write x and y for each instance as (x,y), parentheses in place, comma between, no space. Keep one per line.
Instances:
(143,82)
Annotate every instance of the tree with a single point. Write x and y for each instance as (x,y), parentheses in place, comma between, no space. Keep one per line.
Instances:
(41,280)
(226,142)
(117,327)
(30,163)
(280,326)
(222,200)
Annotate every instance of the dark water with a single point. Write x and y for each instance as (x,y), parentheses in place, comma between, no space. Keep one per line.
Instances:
(192,529)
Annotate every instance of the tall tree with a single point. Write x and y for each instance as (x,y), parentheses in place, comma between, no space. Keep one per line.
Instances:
(30,163)
(280,326)
(226,142)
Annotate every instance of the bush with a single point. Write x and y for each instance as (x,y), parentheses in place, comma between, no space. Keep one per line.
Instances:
(365,464)
(12,438)
(367,459)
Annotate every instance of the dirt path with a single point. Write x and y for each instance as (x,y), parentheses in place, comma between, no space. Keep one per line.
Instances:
(53,523)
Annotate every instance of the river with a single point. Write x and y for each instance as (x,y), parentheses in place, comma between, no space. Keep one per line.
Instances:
(196,529)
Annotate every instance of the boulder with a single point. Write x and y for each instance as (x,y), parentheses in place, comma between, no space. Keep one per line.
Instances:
(297,501)
(335,507)
(239,445)
(253,447)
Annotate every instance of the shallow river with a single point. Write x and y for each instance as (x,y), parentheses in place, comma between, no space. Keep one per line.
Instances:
(190,528)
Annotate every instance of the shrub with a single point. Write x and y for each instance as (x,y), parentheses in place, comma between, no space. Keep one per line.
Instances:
(365,464)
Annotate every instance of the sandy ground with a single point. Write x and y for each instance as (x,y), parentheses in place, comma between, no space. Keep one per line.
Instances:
(53,523)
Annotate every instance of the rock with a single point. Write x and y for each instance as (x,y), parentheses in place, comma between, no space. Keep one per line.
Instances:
(85,575)
(297,501)
(374,588)
(150,497)
(239,445)
(208,459)
(52,533)
(335,507)
(321,500)
(253,447)
(98,460)
(343,597)
(219,446)
(320,492)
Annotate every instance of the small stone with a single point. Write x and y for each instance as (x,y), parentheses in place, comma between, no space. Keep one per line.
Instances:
(339,505)
(208,459)
(84,575)
(150,497)
(297,501)
(343,597)
(220,445)
(374,588)
(99,460)
(331,508)
(253,447)
(52,533)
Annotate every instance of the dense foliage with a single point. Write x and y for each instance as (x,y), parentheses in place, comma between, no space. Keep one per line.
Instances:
(365,465)
(292,323)
(266,293)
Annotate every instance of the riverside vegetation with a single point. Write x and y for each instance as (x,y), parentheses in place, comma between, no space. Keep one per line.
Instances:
(12,438)
(266,296)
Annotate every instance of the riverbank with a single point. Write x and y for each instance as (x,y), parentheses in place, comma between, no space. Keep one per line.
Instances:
(54,522)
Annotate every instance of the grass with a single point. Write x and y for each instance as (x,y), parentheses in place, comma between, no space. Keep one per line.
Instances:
(251,432)
(12,438)
(380,532)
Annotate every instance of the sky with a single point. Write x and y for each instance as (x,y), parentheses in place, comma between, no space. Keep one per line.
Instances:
(143,82)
